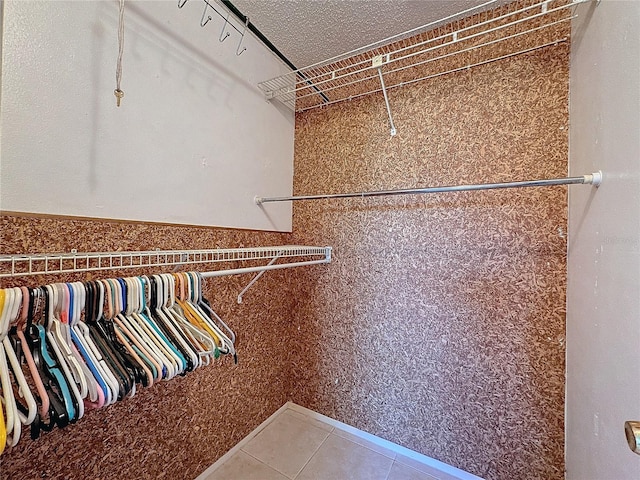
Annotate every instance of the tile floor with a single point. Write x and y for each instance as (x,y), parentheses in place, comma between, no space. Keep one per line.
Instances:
(296,446)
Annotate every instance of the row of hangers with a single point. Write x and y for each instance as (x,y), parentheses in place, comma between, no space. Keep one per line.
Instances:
(66,348)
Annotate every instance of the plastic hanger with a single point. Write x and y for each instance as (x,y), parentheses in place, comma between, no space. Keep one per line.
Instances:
(93,310)
(26,353)
(67,304)
(202,339)
(139,339)
(73,302)
(138,332)
(136,352)
(177,363)
(175,317)
(125,372)
(158,300)
(204,305)
(141,325)
(13,425)
(27,414)
(3,424)
(56,414)
(197,315)
(73,401)
(61,342)
(156,325)
(146,334)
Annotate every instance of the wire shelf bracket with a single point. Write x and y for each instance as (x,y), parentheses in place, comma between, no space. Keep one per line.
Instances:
(377,63)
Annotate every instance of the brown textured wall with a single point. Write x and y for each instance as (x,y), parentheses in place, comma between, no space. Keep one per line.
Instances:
(175,429)
(440,322)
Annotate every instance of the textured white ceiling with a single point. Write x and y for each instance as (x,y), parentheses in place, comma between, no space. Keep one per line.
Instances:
(309,31)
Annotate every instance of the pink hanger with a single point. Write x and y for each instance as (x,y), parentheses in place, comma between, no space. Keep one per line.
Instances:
(44,397)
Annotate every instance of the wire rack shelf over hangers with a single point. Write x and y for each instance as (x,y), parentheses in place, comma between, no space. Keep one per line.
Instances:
(473,37)
(57,263)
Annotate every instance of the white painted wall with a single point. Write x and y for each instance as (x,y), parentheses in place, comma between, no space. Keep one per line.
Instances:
(603,296)
(193,142)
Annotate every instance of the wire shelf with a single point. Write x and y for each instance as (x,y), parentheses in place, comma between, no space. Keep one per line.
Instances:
(451,44)
(27,265)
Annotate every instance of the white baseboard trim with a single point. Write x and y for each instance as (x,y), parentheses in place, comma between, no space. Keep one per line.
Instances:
(395,448)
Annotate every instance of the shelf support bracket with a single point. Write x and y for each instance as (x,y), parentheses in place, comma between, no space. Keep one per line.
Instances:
(377,62)
(256,278)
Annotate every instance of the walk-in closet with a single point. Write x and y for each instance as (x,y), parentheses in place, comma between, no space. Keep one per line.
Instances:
(309,240)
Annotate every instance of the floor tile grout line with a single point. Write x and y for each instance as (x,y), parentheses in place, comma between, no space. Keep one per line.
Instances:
(308,420)
(426,474)
(313,455)
(266,464)
(393,458)
(390,468)
(308,423)
(332,432)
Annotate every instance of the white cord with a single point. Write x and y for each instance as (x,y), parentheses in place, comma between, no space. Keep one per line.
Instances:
(118,92)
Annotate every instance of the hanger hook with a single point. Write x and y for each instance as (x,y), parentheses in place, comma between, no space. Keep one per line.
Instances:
(181,3)
(203,22)
(246,25)
(224,27)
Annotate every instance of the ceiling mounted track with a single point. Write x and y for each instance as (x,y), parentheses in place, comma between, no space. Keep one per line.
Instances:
(470,38)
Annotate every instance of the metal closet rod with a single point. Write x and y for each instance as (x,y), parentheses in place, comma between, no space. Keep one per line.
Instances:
(592,179)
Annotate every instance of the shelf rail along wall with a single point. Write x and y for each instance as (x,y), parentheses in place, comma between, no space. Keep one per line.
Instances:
(594,179)
(74,262)
(472,37)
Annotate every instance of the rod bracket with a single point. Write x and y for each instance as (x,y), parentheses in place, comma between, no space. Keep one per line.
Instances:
(594,179)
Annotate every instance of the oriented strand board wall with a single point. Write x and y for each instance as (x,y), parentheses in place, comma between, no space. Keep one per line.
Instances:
(175,429)
(440,323)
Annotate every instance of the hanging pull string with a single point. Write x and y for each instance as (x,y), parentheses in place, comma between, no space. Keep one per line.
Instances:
(118,91)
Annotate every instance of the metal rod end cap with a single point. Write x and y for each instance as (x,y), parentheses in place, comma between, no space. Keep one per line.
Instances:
(257,200)
(594,178)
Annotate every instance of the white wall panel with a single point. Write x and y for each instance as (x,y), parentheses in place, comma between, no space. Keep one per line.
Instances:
(193,142)
(603,289)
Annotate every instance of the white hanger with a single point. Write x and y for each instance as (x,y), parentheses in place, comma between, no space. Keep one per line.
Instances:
(79,298)
(23,387)
(13,423)
(226,345)
(107,375)
(60,348)
(162,298)
(116,300)
(148,318)
(133,323)
(133,345)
